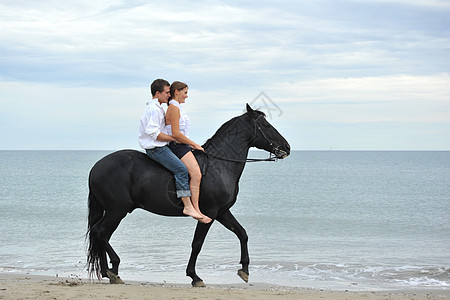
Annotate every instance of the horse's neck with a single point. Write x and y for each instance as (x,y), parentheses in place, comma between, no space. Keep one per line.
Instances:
(232,142)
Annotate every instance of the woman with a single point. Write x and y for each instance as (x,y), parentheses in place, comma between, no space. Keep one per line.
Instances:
(177,125)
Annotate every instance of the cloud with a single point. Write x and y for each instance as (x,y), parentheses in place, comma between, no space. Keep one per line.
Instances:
(113,43)
(420,3)
(399,98)
(84,67)
(45,116)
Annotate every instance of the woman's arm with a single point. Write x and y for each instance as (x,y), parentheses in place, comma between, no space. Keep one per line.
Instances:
(173,119)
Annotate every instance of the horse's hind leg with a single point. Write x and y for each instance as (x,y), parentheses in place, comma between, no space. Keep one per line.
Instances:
(230,222)
(113,273)
(109,224)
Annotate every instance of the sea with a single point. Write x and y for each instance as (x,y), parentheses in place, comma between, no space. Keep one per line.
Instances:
(342,220)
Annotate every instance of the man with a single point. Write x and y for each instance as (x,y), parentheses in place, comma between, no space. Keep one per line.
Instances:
(153,139)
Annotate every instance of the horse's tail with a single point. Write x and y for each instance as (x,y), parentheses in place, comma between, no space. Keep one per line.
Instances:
(96,213)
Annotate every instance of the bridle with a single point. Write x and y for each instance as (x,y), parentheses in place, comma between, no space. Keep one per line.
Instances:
(270,158)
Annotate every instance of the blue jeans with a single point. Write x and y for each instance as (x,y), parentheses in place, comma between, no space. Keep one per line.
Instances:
(168,159)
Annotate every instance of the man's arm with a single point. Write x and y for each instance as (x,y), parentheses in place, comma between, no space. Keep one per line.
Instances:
(162,137)
(154,131)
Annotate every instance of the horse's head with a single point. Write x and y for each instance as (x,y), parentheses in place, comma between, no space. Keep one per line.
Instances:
(266,137)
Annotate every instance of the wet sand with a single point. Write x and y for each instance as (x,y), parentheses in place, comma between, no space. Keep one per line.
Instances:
(24,286)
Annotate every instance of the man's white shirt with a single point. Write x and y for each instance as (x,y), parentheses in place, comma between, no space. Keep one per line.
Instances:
(152,123)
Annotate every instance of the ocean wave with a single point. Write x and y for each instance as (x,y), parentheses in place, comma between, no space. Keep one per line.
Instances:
(357,274)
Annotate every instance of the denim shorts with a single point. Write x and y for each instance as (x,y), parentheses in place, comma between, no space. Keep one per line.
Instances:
(168,159)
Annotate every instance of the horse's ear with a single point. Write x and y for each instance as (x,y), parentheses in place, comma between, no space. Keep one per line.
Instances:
(249,109)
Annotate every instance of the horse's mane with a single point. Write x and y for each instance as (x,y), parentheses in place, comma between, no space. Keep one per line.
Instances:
(219,131)
(226,125)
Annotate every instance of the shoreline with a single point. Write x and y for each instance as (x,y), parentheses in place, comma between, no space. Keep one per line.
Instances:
(26,286)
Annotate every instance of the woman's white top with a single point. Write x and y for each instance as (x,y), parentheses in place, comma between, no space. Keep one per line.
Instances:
(185,121)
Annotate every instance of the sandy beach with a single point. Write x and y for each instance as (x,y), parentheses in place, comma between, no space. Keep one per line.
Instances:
(24,286)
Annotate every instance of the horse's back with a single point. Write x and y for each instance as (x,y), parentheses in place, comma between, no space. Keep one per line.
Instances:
(118,165)
(128,179)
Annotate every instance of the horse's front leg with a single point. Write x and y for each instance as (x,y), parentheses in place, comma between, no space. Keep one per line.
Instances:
(199,237)
(230,222)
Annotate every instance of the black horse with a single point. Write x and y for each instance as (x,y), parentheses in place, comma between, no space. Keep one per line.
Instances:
(125,180)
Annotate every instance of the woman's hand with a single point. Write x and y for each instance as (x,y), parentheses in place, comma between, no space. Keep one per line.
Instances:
(198,147)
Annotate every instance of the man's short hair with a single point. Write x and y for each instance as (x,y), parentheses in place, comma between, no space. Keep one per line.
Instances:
(158,86)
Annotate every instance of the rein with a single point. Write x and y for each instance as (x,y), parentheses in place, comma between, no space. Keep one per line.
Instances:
(270,158)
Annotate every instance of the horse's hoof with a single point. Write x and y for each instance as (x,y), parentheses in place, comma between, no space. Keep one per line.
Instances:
(241,273)
(198,284)
(113,278)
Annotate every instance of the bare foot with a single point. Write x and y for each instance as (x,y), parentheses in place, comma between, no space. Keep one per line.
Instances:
(205,217)
(204,220)
(190,211)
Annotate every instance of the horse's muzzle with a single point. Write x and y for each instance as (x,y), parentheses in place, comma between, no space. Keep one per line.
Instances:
(280,154)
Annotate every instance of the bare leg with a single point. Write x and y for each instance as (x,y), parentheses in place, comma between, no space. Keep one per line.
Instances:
(194,184)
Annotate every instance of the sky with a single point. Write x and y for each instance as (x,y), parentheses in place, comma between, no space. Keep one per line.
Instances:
(330,74)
